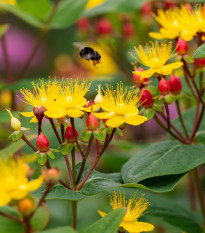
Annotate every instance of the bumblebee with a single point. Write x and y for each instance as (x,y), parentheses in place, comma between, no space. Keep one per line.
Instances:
(88,53)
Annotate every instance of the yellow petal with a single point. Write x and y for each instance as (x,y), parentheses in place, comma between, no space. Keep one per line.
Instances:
(167,69)
(115,121)
(136,226)
(104,115)
(27,114)
(102,214)
(134,120)
(91,108)
(146,73)
(156,35)
(34,120)
(4,199)
(35,184)
(57,113)
(19,193)
(74,113)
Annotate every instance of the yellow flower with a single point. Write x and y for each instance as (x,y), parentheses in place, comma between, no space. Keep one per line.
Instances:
(155,56)
(14,182)
(12,2)
(135,208)
(198,22)
(43,94)
(94,3)
(70,102)
(120,106)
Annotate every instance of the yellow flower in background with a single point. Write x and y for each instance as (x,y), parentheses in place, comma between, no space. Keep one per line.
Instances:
(14,182)
(12,2)
(120,106)
(155,57)
(94,3)
(174,23)
(43,94)
(198,22)
(71,100)
(135,208)
(107,65)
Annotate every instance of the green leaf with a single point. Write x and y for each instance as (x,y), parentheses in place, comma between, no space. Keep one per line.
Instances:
(76,146)
(200,52)
(157,108)
(168,210)
(99,135)
(40,220)
(200,137)
(162,159)
(68,12)
(42,157)
(119,132)
(28,18)
(54,150)
(59,192)
(67,148)
(3,29)
(114,7)
(109,224)
(149,113)
(16,135)
(15,146)
(60,230)
(8,225)
(51,155)
(86,135)
(38,8)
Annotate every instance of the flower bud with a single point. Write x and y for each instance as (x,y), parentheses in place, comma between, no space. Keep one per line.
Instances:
(163,87)
(92,122)
(15,123)
(39,112)
(169,4)
(25,206)
(175,84)
(128,29)
(69,134)
(104,26)
(137,78)
(5,98)
(146,98)
(182,47)
(89,103)
(200,63)
(42,143)
(99,96)
(51,176)
(104,121)
(83,24)
(146,8)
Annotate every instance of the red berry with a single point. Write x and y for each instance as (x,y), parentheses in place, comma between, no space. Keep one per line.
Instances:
(42,143)
(146,8)
(92,122)
(104,26)
(169,4)
(69,134)
(146,98)
(128,29)
(175,84)
(163,87)
(137,78)
(200,63)
(83,24)
(182,47)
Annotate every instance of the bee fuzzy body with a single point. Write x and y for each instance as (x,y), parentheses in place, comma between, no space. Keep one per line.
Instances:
(88,53)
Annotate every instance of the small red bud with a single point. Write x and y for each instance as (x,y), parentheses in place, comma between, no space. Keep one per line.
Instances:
(69,134)
(89,103)
(42,143)
(104,26)
(200,63)
(137,78)
(92,122)
(175,84)
(104,121)
(182,47)
(169,4)
(163,87)
(25,206)
(83,24)
(51,176)
(39,112)
(128,29)
(146,8)
(146,98)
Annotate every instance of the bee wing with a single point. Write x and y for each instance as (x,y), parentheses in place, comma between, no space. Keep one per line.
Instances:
(80,45)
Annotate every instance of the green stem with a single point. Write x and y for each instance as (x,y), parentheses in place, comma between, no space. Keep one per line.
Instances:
(181,118)
(74,203)
(200,192)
